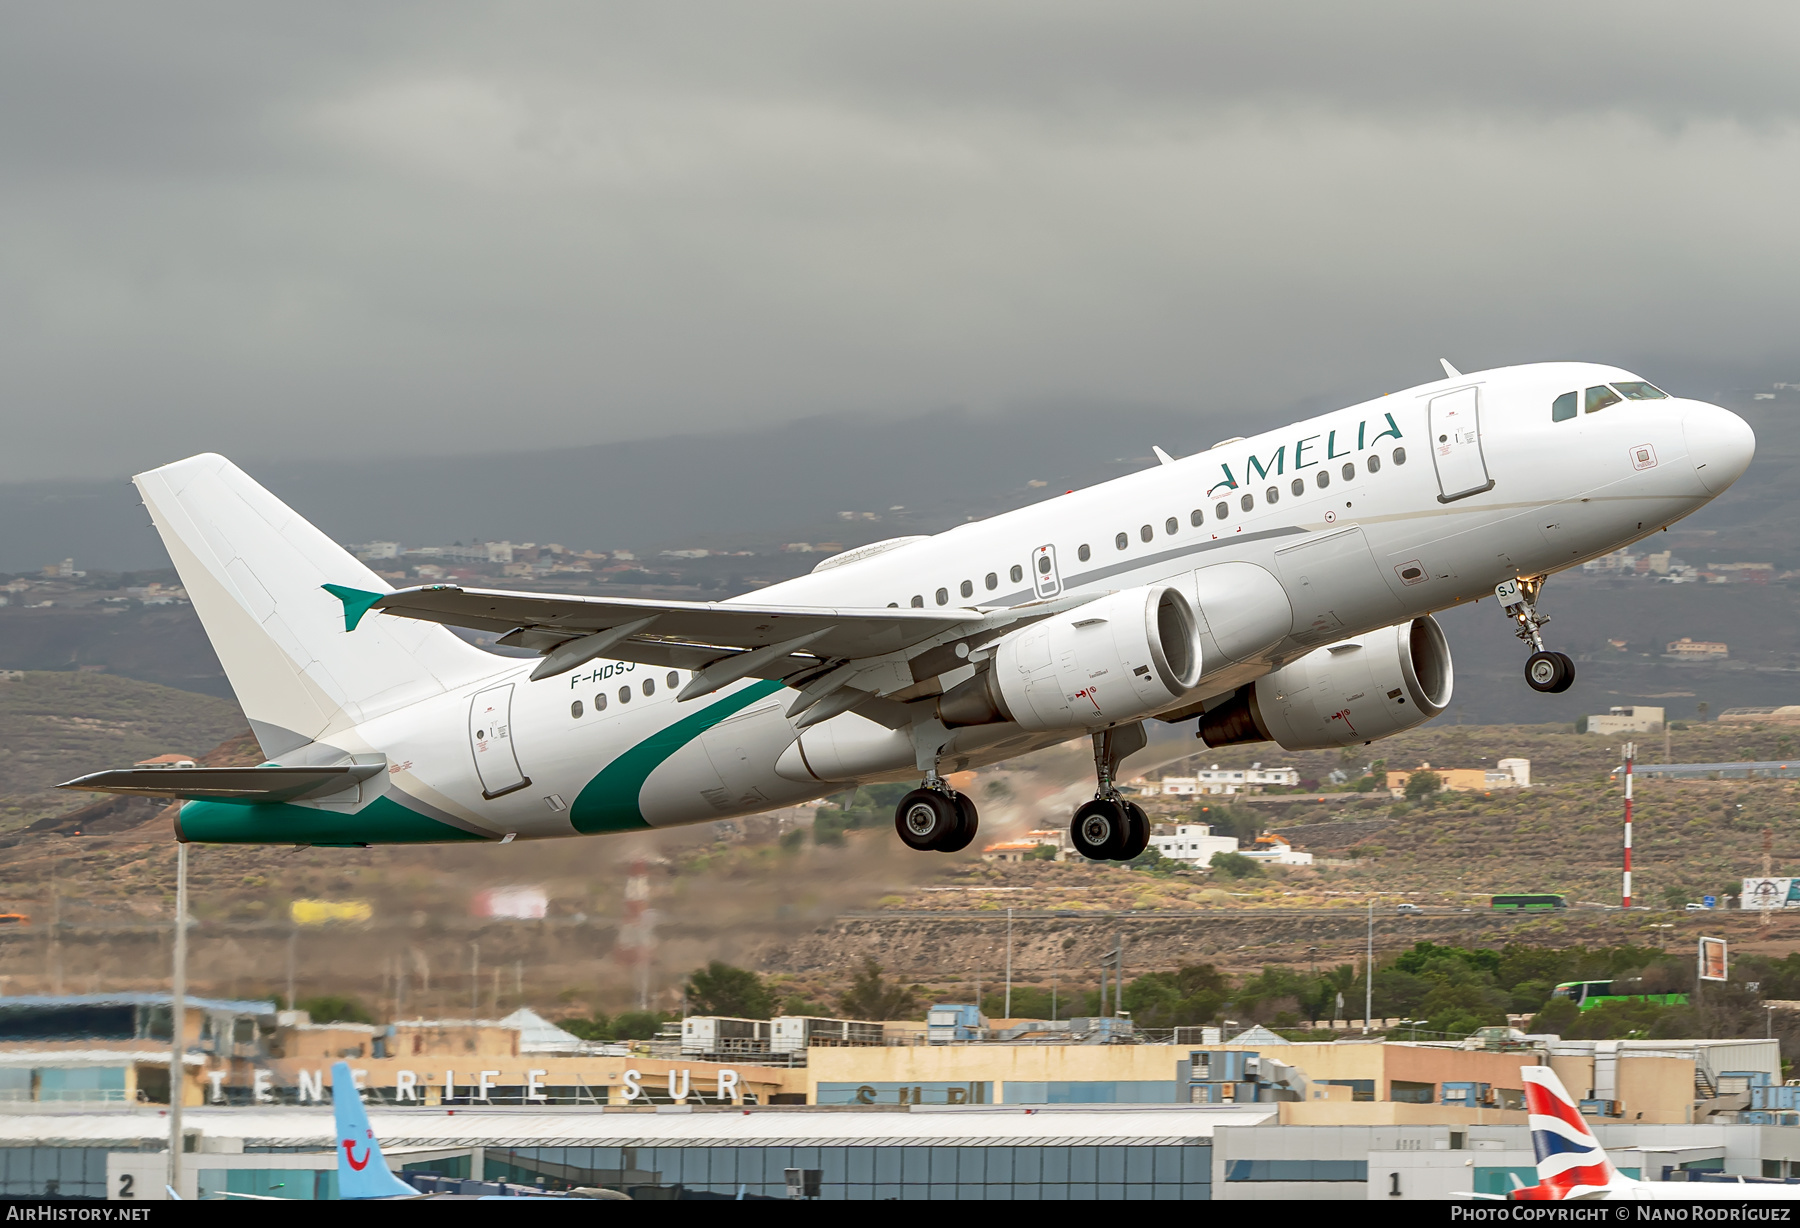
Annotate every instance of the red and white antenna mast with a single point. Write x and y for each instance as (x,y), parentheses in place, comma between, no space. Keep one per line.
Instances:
(1630,753)
(637,931)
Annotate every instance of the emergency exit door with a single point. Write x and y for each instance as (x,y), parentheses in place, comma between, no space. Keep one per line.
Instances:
(490,737)
(1456,445)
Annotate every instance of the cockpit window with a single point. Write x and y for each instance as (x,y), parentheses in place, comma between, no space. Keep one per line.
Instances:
(1599,398)
(1563,408)
(1638,390)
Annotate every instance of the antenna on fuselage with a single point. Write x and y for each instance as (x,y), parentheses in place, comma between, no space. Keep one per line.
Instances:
(1449,370)
(1162,458)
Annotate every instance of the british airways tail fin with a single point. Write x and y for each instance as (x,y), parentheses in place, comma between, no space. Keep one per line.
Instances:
(362,1170)
(1569,1157)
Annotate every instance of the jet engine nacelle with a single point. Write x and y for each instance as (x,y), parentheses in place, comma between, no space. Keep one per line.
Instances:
(1117,658)
(1364,688)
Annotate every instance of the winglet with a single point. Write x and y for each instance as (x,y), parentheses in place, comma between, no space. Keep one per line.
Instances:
(369,1177)
(1449,370)
(1162,458)
(356,601)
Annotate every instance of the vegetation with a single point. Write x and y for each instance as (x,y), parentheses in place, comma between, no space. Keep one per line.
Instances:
(629,1025)
(720,989)
(871,997)
(334,1008)
(1235,865)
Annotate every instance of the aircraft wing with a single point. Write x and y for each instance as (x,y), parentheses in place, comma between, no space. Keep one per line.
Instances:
(233,784)
(720,641)
(545,617)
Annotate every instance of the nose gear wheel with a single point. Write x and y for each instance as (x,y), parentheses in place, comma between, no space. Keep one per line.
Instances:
(1550,672)
(1545,670)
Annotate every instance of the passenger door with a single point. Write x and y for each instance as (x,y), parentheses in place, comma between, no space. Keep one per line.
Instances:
(490,738)
(1456,445)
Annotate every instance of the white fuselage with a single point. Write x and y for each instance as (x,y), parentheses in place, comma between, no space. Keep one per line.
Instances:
(1405,539)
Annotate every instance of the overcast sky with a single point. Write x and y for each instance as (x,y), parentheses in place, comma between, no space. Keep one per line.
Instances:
(313,229)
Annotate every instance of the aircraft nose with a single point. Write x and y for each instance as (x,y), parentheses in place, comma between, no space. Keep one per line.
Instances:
(1720,443)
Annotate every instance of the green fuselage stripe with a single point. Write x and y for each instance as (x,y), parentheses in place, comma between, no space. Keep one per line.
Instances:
(382,821)
(609,802)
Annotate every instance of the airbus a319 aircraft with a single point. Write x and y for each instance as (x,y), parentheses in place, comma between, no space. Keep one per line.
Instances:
(1277,588)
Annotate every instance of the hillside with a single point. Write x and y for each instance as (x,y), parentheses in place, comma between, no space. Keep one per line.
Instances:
(55,726)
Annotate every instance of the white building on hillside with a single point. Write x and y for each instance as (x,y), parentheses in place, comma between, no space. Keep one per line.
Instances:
(1193,843)
(1215,780)
(1276,850)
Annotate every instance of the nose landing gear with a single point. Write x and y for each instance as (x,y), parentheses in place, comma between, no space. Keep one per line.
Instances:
(1109,828)
(936,818)
(1547,671)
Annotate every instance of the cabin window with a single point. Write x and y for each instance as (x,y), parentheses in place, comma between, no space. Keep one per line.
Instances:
(1083,553)
(1247,502)
(943,596)
(1195,518)
(967,589)
(649,687)
(674,680)
(1222,512)
(1399,456)
(575,709)
(1017,573)
(1563,408)
(1146,533)
(1298,486)
(992,581)
(1599,398)
(1374,464)
(1122,541)
(1323,478)
(600,702)
(1272,495)
(918,602)
(1043,565)
(1638,390)
(624,694)
(1171,525)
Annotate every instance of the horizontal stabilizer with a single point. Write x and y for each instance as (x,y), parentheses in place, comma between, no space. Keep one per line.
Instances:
(229,784)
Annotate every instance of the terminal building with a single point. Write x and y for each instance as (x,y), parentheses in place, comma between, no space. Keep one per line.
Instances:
(959,1108)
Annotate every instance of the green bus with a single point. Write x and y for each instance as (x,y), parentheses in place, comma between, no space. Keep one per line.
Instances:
(1589,994)
(1528,903)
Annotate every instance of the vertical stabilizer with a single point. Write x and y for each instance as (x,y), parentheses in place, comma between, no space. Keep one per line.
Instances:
(362,1170)
(254,570)
(1569,1157)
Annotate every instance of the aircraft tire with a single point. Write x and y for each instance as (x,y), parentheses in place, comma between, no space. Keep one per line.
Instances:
(1549,672)
(968,823)
(1100,829)
(925,818)
(1137,836)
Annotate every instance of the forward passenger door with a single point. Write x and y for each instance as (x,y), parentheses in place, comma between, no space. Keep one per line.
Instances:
(1455,421)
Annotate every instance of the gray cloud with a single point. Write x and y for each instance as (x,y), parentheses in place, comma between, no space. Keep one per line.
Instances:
(324,231)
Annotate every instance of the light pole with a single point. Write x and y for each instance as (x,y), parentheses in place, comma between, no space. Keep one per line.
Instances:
(177,1016)
(1369,972)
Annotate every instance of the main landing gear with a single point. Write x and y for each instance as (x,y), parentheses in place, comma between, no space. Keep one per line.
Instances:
(1109,828)
(1550,672)
(936,818)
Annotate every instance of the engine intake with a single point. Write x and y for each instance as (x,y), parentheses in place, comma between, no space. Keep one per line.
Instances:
(1118,658)
(1356,691)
